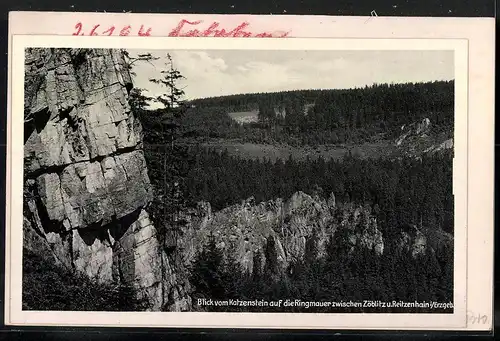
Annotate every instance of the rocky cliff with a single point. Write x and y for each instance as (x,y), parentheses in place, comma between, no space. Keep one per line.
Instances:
(86,182)
(418,138)
(293,226)
(245,230)
(87,191)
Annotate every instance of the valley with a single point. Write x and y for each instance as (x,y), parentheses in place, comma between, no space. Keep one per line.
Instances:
(284,198)
(273,152)
(339,194)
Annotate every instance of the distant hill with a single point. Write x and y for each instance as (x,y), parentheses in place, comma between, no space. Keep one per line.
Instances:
(250,101)
(401,97)
(314,117)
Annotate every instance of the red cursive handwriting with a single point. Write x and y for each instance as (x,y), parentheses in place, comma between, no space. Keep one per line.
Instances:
(108,31)
(144,34)
(93,31)
(125,31)
(78,28)
(183,29)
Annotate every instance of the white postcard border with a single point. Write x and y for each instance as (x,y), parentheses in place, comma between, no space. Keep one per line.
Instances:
(231,320)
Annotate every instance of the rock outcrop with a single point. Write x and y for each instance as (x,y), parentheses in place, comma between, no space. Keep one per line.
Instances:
(86,192)
(86,182)
(246,229)
(417,139)
(417,129)
(291,228)
(448,144)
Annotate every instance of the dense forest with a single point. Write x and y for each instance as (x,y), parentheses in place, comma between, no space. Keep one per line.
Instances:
(393,276)
(401,191)
(325,116)
(412,98)
(404,190)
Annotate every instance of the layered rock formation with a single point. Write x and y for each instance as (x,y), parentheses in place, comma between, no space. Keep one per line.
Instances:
(417,129)
(418,138)
(244,230)
(281,232)
(86,191)
(86,182)
(448,144)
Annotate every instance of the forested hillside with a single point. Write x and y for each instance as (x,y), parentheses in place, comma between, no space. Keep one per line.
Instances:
(325,116)
(339,277)
(407,190)
(401,191)
(346,195)
(404,192)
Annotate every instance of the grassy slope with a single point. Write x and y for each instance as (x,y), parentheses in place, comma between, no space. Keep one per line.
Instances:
(273,152)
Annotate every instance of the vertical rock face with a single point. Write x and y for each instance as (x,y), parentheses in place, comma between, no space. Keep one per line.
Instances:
(86,189)
(418,138)
(284,231)
(86,182)
(288,227)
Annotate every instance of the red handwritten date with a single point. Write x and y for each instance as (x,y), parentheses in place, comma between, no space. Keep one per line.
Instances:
(184,28)
(97,30)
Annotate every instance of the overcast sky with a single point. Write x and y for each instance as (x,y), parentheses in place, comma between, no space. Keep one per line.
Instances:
(223,72)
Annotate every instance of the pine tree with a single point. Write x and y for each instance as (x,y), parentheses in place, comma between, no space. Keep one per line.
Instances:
(206,272)
(171,197)
(138,101)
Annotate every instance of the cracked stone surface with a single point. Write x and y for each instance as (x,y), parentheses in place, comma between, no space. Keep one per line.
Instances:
(244,230)
(86,181)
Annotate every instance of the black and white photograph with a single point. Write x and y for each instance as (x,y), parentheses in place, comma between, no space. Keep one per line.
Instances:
(238,180)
